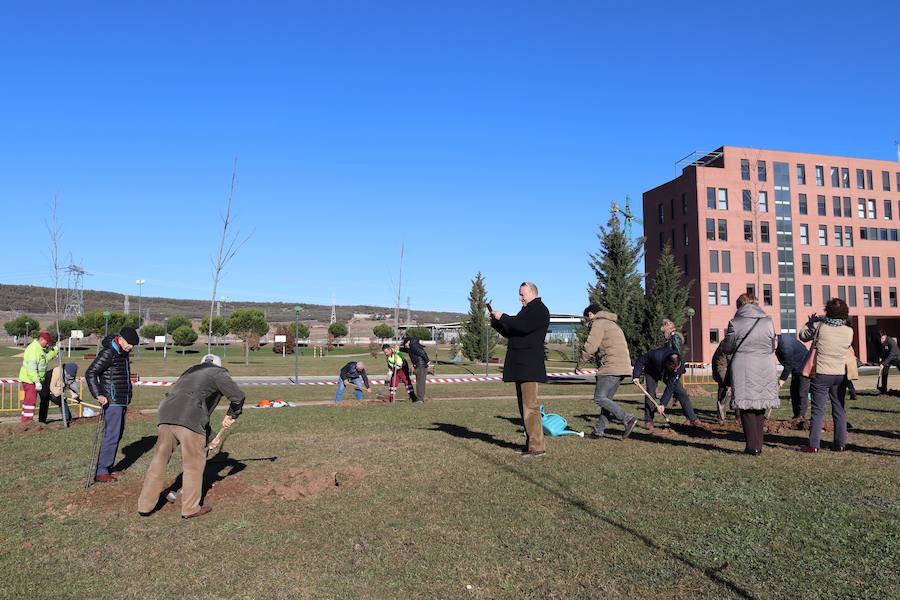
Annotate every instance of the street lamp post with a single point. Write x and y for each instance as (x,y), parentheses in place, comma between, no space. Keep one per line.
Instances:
(27,328)
(106,316)
(140,283)
(690,314)
(165,335)
(297,310)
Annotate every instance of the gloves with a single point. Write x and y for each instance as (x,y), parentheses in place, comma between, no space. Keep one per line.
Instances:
(38,386)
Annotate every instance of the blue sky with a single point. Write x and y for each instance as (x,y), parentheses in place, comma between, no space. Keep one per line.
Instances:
(485,135)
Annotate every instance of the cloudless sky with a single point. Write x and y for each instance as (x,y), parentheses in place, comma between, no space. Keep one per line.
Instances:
(488,135)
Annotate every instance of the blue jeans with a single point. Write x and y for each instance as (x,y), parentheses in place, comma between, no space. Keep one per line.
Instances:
(607,385)
(357,385)
(113,427)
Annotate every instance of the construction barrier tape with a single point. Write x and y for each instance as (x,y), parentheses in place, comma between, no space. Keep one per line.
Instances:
(469,379)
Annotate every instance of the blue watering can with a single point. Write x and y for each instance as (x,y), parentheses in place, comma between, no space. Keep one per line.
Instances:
(556,425)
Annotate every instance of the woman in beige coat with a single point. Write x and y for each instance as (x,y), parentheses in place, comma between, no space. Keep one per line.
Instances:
(832,337)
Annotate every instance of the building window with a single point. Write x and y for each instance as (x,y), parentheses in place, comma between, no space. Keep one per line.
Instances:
(823,235)
(851,295)
(711,198)
(662,213)
(898,182)
(892,297)
(848,236)
(801,203)
(726,261)
(686,264)
(835,177)
(761,170)
(839,265)
(861,208)
(712,294)
(684,204)
(710,229)
(886,181)
(684,233)
(876,296)
(892,267)
(745,169)
(763,198)
(867,296)
(801,174)
(714,333)
(764,232)
(674,240)
(876,266)
(888,212)
(804,264)
(671,208)
(662,240)
(871,206)
(767,294)
(860,180)
(807,295)
(838,235)
(713,261)
(848,209)
(723,199)
(865,267)
(869,183)
(820,175)
(746,200)
(836,205)
(751,289)
(804,234)
(826,294)
(851,266)
(824,259)
(845,177)
(842,292)
(749,261)
(723,294)
(723,230)
(820,203)
(767,263)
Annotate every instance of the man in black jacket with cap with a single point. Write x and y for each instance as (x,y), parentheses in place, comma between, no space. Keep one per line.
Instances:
(109,381)
(663,365)
(420,361)
(524,363)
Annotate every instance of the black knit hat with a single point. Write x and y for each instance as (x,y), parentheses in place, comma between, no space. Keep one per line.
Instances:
(130,335)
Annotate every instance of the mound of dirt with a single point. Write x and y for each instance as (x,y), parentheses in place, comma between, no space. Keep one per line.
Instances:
(302,483)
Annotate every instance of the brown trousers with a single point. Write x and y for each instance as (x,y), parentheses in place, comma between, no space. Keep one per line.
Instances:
(193,460)
(526,393)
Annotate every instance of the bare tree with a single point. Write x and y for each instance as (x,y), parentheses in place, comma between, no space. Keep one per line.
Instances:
(55,235)
(229,244)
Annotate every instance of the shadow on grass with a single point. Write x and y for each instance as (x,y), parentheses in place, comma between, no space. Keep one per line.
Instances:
(891,435)
(134,451)
(517,421)
(554,487)
(875,410)
(465,433)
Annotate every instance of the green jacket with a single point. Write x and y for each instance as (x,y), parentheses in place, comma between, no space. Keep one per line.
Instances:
(35,362)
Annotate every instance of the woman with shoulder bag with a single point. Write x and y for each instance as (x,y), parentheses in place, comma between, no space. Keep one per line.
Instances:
(750,340)
(831,338)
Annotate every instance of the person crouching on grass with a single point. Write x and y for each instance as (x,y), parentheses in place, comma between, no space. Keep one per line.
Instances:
(663,365)
(524,363)
(183,419)
(398,371)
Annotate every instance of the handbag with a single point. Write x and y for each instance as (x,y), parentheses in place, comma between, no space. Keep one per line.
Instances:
(809,367)
(728,376)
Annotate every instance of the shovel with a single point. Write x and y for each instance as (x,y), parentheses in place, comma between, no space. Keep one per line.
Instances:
(654,402)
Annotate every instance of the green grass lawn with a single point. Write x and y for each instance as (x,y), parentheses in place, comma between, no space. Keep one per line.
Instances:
(431,499)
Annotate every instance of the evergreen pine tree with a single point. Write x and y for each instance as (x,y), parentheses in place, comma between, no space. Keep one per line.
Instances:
(667,298)
(618,286)
(477,327)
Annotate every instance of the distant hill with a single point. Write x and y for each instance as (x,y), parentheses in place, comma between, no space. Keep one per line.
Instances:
(38,301)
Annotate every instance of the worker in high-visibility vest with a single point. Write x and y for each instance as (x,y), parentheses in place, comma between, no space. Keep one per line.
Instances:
(37,358)
(398,371)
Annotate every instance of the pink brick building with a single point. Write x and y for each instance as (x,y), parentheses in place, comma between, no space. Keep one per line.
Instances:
(793,228)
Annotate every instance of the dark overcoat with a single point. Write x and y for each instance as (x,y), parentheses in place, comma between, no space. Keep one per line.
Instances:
(525,334)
